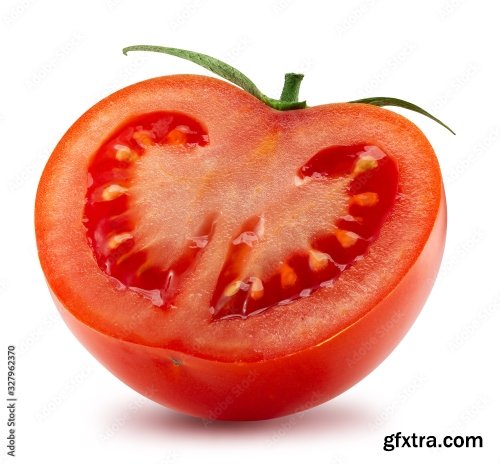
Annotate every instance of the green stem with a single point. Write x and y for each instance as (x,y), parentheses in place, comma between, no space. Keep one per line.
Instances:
(291,87)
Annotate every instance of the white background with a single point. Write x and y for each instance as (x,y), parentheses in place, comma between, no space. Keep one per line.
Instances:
(59,58)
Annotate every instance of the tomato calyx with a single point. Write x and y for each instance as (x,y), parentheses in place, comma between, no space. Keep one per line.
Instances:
(289,96)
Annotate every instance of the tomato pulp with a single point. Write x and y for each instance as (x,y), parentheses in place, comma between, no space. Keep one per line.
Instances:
(233,261)
(372,191)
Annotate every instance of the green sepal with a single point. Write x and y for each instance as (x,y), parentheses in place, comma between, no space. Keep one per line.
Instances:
(389,101)
(231,74)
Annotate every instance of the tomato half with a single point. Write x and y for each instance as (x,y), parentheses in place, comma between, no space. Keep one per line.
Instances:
(233,261)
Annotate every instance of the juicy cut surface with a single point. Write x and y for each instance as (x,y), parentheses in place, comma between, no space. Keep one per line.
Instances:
(158,199)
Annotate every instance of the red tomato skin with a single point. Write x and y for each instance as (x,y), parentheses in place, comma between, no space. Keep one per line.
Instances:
(216,390)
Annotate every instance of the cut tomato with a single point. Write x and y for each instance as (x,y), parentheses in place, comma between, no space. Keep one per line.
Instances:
(234,261)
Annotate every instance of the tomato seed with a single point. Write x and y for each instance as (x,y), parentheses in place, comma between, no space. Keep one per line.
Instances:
(116,240)
(113,191)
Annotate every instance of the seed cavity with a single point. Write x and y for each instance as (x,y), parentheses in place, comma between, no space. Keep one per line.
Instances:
(110,230)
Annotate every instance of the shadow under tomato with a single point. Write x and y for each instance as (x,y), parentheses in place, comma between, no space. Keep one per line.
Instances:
(341,416)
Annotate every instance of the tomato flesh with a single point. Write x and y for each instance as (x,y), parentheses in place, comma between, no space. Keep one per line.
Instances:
(372,190)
